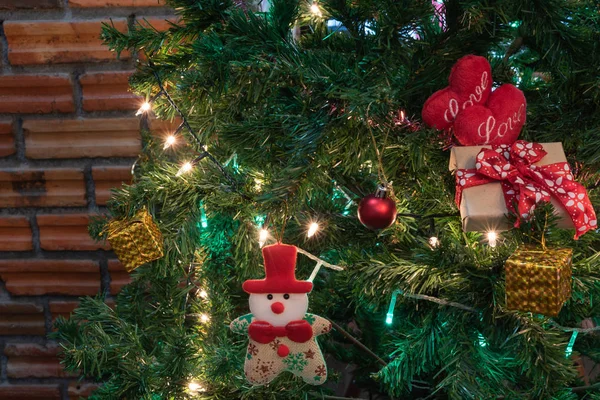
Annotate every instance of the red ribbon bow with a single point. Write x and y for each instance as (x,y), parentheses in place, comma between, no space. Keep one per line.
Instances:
(297,331)
(529,184)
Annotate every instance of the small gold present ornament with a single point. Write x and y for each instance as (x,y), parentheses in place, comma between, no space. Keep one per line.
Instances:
(538,280)
(135,241)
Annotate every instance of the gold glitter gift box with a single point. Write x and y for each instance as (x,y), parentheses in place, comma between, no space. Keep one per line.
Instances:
(538,280)
(135,241)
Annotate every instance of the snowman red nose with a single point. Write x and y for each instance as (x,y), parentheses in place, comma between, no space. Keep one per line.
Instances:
(277,307)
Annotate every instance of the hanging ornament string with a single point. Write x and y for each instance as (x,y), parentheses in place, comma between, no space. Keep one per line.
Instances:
(380,170)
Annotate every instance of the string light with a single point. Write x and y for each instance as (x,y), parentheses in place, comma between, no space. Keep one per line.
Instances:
(492,238)
(481,340)
(204,318)
(144,108)
(312,229)
(262,237)
(169,141)
(203,219)
(389,317)
(314,8)
(203,294)
(186,167)
(569,349)
(434,242)
(195,387)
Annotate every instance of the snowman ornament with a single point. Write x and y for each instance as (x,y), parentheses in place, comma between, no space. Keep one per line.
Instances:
(282,334)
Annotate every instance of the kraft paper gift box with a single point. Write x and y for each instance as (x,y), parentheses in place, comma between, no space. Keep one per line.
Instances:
(482,208)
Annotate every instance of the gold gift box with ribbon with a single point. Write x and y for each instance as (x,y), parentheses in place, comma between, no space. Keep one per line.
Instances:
(135,241)
(538,280)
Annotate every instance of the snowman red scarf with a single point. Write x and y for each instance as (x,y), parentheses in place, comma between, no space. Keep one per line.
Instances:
(282,334)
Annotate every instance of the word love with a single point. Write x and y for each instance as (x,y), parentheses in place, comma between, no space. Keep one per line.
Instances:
(453,105)
(498,121)
(488,131)
(470,84)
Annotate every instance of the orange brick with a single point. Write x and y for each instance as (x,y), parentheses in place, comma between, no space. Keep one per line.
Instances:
(62,307)
(74,138)
(80,390)
(54,42)
(39,277)
(22,319)
(34,94)
(15,234)
(30,392)
(67,232)
(23,4)
(7,140)
(42,187)
(28,360)
(104,91)
(116,3)
(107,178)
(118,276)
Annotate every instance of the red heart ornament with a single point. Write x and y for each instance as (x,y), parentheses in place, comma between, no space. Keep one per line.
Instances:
(498,122)
(470,84)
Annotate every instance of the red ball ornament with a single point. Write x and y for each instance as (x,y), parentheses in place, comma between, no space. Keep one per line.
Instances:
(377,211)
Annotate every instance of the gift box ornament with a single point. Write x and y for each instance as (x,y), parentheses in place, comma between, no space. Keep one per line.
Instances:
(135,241)
(491,180)
(538,280)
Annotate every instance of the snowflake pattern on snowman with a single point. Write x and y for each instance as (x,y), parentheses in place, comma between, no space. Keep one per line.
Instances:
(282,334)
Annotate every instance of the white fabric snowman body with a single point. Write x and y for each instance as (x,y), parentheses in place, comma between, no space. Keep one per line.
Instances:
(282,334)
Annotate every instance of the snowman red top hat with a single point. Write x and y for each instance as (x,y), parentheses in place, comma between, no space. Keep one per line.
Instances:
(280,269)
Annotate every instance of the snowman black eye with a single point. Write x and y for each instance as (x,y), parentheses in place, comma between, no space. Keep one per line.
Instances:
(270,296)
(286,296)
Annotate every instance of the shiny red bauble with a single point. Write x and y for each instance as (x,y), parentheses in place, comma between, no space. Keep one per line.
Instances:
(377,211)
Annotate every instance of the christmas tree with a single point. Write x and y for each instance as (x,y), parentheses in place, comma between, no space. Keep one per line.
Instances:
(292,113)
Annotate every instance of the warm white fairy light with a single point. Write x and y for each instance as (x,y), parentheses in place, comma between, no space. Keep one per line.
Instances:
(186,167)
(169,141)
(314,8)
(204,318)
(203,294)
(491,237)
(434,241)
(195,387)
(312,229)
(262,237)
(145,107)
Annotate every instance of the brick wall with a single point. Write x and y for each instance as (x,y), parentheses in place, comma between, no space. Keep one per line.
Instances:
(68,135)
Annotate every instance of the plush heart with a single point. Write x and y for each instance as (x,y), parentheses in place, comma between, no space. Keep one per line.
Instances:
(498,122)
(470,84)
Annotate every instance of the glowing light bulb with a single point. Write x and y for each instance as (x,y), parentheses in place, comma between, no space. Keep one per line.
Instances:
(186,167)
(204,318)
(195,387)
(312,229)
(145,107)
(203,294)
(169,141)
(258,183)
(389,317)
(434,242)
(492,238)
(314,8)
(262,237)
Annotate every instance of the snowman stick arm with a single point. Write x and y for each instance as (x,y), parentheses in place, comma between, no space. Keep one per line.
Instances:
(317,259)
